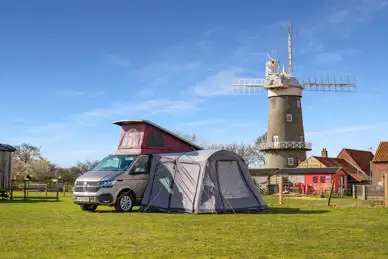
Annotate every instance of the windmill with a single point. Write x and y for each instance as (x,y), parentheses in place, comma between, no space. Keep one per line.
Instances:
(286,146)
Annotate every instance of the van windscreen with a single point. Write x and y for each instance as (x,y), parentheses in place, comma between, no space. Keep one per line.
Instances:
(114,163)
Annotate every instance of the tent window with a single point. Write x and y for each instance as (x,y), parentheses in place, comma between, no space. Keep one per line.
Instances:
(289,118)
(231,183)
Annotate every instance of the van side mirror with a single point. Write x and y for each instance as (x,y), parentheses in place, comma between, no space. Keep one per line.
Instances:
(140,170)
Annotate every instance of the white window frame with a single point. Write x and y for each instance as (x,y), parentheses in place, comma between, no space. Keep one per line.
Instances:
(290,161)
(301,139)
(298,103)
(289,117)
(275,140)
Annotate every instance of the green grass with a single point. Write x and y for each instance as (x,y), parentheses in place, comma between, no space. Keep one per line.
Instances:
(299,228)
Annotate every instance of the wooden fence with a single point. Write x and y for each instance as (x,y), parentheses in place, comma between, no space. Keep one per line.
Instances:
(369,192)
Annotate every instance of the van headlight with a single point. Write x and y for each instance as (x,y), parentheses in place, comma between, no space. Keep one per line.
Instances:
(107,184)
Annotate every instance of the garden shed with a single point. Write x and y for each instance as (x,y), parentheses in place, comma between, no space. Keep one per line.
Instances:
(5,169)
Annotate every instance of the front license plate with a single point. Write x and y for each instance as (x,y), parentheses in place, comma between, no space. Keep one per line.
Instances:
(84,199)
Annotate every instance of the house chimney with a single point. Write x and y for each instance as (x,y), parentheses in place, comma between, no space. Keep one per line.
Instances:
(324,152)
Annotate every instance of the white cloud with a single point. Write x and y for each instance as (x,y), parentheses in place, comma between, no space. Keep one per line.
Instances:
(340,130)
(74,93)
(328,58)
(203,122)
(119,60)
(216,85)
(346,15)
(213,30)
(338,17)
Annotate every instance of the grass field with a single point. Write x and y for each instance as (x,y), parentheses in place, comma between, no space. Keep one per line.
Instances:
(297,229)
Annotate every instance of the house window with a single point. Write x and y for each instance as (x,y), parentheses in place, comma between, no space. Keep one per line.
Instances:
(290,161)
(289,118)
(275,138)
(298,103)
(322,179)
(315,179)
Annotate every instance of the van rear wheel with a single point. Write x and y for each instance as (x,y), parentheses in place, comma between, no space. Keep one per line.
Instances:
(124,202)
(88,207)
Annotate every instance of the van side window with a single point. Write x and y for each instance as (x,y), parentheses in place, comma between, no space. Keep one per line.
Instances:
(141,166)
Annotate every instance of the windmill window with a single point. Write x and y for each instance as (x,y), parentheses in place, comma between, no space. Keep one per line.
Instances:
(301,139)
(289,117)
(290,161)
(298,103)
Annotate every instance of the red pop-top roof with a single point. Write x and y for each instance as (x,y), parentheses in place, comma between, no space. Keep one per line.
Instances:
(145,137)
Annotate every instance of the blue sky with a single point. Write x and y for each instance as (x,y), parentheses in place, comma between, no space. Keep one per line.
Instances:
(69,69)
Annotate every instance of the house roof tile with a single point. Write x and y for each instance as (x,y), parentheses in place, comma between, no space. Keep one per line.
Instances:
(354,172)
(381,153)
(362,158)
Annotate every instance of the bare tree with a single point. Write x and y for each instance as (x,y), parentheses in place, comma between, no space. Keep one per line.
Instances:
(190,137)
(67,175)
(25,153)
(22,158)
(41,169)
(83,167)
(260,156)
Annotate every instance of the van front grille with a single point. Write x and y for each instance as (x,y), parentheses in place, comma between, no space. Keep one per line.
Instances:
(82,186)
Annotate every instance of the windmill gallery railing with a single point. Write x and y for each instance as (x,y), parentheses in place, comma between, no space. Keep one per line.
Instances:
(286,145)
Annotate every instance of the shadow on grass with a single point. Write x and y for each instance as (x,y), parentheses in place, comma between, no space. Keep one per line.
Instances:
(293,211)
(269,211)
(29,200)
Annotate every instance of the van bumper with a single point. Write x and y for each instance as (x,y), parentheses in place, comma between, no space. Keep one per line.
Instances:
(100,199)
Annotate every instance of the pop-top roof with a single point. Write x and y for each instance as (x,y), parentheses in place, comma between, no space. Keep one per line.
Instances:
(126,122)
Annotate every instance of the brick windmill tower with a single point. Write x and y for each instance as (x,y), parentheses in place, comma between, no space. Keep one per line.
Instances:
(286,146)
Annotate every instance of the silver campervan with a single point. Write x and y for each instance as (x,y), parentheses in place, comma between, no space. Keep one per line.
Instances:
(119,180)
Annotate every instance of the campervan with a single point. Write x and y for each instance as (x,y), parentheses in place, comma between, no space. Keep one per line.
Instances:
(119,180)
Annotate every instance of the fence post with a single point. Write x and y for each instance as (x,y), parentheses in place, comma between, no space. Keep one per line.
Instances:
(385,176)
(281,190)
(25,189)
(364,192)
(354,191)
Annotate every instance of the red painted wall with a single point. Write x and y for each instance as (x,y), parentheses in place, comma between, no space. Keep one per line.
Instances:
(142,138)
(378,169)
(310,185)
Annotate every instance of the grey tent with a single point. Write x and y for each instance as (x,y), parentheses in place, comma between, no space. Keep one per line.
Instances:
(205,181)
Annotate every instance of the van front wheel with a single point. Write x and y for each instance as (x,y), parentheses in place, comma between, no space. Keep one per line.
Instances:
(124,202)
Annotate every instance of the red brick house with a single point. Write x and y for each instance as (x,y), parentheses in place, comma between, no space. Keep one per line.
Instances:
(380,163)
(314,180)
(353,162)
